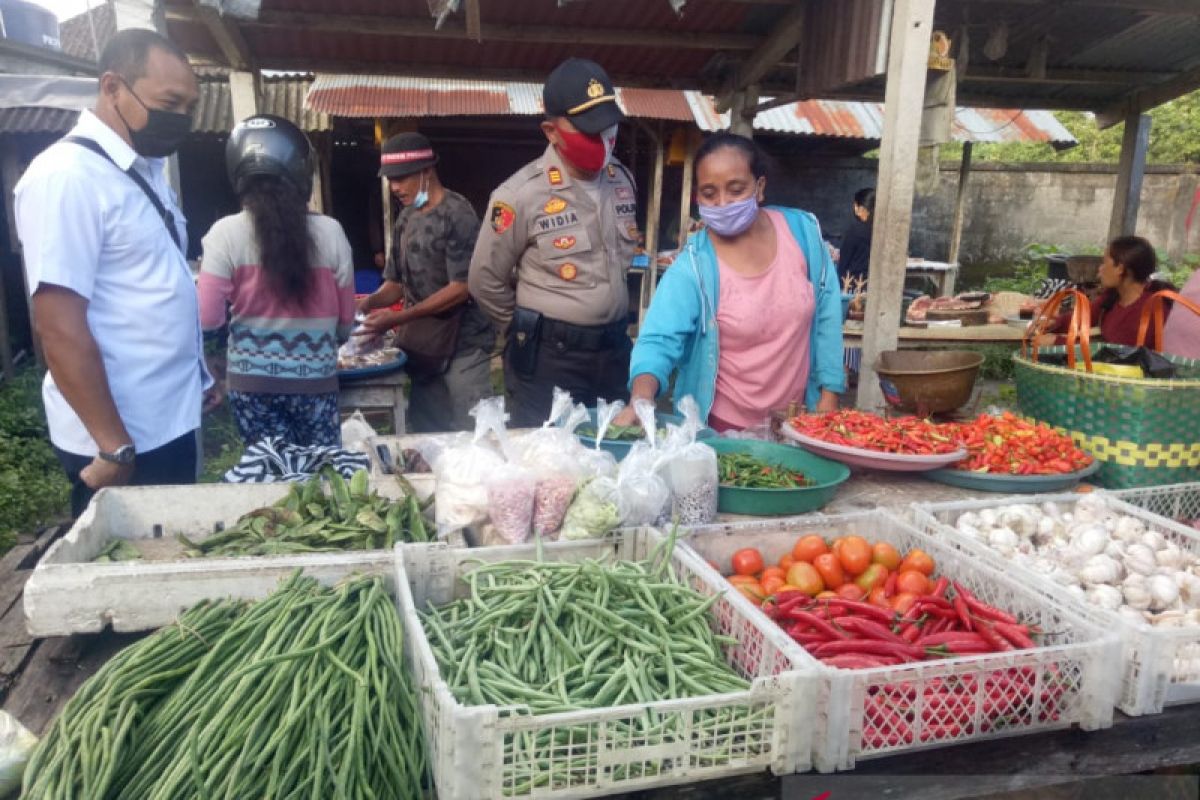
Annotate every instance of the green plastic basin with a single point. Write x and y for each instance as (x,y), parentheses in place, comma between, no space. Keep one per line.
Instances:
(779,502)
(620,449)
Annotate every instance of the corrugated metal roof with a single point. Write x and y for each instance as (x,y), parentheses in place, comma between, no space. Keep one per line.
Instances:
(36,120)
(865,121)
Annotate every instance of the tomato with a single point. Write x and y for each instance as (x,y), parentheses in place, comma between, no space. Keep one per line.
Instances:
(749,587)
(884,553)
(831,570)
(776,572)
(828,595)
(850,591)
(903,602)
(809,547)
(855,555)
(804,576)
(747,561)
(919,560)
(878,598)
(911,581)
(771,584)
(873,578)
(785,563)
(783,590)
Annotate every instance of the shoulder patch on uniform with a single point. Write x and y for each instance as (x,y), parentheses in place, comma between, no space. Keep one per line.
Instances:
(502,216)
(568,272)
(554,205)
(555,175)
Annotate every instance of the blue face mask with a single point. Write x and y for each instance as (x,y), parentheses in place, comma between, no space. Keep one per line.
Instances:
(731,219)
(422,196)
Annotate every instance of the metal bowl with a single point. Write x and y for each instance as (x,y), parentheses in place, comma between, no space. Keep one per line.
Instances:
(928,382)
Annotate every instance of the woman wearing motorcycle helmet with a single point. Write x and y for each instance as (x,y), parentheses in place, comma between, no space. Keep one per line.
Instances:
(283,279)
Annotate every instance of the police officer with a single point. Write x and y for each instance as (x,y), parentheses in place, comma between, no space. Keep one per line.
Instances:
(554,250)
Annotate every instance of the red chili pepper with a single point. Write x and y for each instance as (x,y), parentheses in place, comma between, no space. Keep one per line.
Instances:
(1017,634)
(950,637)
(816,622)
(989,634)
(852,661)
(884,615)
(939,588)
(868,628)
(991,613)
(869,647)
(960,609)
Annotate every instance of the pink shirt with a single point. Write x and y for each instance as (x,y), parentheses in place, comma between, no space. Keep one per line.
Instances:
(764,323)
(1181,333)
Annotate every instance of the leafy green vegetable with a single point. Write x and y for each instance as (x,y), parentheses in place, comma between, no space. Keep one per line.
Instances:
(744,471)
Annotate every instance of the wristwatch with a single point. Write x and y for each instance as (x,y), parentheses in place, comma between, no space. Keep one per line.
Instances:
(125,454)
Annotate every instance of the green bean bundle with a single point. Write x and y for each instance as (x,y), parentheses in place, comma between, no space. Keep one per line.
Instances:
(92,736)
(305,696)
(310,520)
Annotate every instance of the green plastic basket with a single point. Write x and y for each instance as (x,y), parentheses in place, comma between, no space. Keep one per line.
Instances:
(1144,432)
(827,474)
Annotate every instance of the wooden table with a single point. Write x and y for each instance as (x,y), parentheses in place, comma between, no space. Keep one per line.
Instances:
(852,333)
(943,274)
(384,391)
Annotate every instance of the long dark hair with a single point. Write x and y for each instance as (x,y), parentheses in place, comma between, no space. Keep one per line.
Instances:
(280,217)
(757,157)
(866,199)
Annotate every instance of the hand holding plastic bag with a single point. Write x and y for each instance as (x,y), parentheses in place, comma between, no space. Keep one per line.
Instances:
(643,497)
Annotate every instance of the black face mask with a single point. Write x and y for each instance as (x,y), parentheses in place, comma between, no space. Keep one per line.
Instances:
(163,132)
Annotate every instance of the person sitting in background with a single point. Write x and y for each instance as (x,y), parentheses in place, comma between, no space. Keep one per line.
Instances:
(1181,334)
(1125,285)
(750,315)
(855,257)
(288,278)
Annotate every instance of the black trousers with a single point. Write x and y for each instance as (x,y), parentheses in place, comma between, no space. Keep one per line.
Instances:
(173,463)
(586,374)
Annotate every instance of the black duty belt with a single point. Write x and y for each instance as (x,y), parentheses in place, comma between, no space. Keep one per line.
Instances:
(584,337)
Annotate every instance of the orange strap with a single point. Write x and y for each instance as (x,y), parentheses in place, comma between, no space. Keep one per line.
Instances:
(1154,309)
(1079,331)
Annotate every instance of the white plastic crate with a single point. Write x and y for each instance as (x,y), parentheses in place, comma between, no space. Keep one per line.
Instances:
(1177,501)
(1160,666)
(877,712)
(477,752)
(68,593)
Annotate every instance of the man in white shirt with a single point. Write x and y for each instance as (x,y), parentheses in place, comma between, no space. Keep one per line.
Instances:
(113,299)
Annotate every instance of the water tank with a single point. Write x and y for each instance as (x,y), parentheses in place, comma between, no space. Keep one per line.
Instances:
(29,23)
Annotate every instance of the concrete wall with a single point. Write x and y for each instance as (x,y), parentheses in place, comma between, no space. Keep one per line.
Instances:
(1008,205)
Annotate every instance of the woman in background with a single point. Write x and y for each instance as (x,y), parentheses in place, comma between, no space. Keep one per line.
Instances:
(287,279)
(855,258)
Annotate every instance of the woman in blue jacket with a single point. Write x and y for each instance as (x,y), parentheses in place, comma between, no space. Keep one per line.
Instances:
(749,316)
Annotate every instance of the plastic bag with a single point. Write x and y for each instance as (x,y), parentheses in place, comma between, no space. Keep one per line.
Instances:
(355,432)
(552,454)
(464,469)
(691,469)
(511,497)
(594,511)
(643,497)
(16,746)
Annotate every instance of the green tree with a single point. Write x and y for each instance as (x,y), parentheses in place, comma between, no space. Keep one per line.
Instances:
(1174,139)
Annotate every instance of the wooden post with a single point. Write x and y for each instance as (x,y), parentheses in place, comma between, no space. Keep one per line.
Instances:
(1130,173)
(10,173)
(742,112)
(912,26)
(653,212)
(685,195)
(960,203)
(244,95)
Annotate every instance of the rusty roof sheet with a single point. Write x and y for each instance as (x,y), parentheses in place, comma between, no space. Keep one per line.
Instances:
(37,119)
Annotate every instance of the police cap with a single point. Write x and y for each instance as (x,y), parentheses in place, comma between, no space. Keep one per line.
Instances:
(581,91)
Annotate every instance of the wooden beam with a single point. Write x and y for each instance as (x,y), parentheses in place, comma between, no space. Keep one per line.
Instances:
(743,111)
(784,37)
(685,193)
(375,25)
(1130,172)
(225,33)
(1182,7)
(473,21)
(653,213)
(908,54)
(245,94)
(960,203)
(10,173)
(1145,99)
(1083,77)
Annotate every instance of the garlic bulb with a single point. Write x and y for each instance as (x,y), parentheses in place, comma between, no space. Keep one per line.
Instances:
(1170,556)
(970,519)
(1136,597)
(988,518)
(1089,540)
(1107,597)
(1064,578)
(1051,510)
(1140,559)
(1077,592)
(1003,540)
(1022,519)
(972,532)
(1154,540)
(1189,588)
(1130,529)
(1047,529)
(1115,549)
(1100,569)
(1132,616)
(1163,592)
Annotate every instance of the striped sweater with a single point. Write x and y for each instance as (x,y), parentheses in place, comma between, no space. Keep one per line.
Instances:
(275,346)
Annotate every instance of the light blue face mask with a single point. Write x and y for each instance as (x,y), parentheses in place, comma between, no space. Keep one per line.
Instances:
(422,196)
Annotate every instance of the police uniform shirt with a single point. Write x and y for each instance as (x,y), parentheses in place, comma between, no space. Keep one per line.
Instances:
(548,246)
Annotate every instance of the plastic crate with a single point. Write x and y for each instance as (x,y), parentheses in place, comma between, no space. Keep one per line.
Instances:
(68,593)
(1160,666)
(1178,501)
(476,752)
(877,712)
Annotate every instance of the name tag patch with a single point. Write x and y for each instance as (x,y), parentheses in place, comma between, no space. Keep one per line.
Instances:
(556,222)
